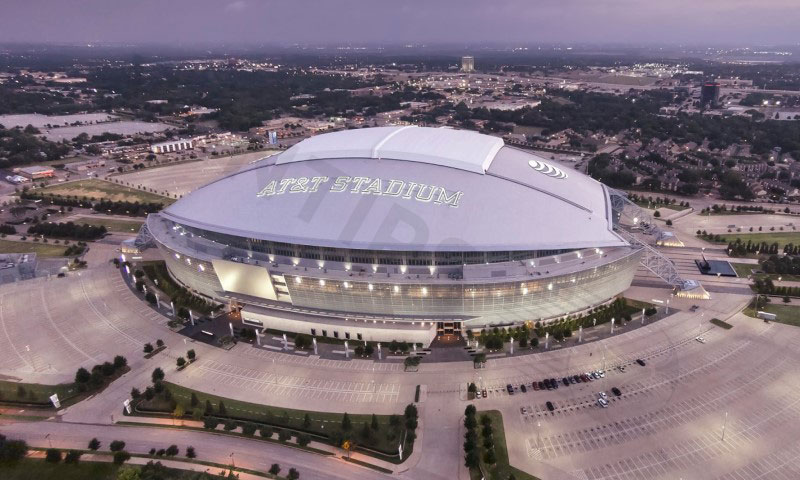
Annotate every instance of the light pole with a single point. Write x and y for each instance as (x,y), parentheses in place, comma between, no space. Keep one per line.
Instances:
(723,426)
(50,442)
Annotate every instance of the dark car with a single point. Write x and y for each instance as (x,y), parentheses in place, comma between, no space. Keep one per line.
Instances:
(510,389)
(584,377)
(554,382)
(535,385)
(572,380)
(577,378)
(640,362)
(616,391)
(522,387)
(542,385)
(548,384)
(550,406)
(565,381)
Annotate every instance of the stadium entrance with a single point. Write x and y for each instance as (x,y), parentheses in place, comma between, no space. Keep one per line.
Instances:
(448,328)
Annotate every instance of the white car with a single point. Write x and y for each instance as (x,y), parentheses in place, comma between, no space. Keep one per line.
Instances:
(700,339)
(602,373)
(602,403)
(603,395)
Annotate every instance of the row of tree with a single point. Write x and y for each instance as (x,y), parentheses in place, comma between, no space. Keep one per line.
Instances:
(68,230)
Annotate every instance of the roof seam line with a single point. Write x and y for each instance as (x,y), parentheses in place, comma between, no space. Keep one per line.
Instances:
(563,199)
(377,147)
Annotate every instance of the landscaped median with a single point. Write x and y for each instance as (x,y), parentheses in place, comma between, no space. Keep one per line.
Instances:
(377,436)
(86,383)
(485,450)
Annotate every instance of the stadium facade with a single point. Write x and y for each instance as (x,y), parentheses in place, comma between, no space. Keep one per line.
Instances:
(398,233)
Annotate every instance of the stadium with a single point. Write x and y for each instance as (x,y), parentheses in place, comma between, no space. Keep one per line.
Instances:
(398,233)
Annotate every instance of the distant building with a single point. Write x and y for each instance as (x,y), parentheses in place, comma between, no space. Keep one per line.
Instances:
(467,64)
(172,146)
(709,94)
(35,172)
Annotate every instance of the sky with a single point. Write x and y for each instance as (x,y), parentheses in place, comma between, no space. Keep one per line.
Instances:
(371,22)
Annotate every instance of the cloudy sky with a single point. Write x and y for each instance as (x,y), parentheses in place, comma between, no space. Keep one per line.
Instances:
(186,22)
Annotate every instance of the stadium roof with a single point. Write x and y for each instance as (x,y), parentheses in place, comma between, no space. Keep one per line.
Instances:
(460,149)
(457,191)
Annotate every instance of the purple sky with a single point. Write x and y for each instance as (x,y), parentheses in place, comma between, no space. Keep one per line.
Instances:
(733,22)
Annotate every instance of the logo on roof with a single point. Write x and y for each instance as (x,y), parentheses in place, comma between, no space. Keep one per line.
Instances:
(547,169)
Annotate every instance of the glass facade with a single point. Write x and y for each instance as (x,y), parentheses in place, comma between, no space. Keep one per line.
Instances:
(540,298)
(368,257)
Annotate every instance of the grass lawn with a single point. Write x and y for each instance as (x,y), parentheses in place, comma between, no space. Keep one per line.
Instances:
(30,468)
(788,314)
(744,269)
(35,392)
(102,190)
(500,470)
(770,237)
(39,248)
(112,224)
(322,423)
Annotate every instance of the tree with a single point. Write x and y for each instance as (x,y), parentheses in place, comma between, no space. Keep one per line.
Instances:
(128,473)
(303,439)
(306,421)
(489,457)
(194,400)
(284,435)
(159,343)
(180,362)
(119,362)
(73,456)
(121,457)
(470,410)
(116,445)
(347,425)
(94,444)
(265,431)
(148,348)
(158,375)
(82,375)
(275,469)
(375,425)
(191,355)
(209,408)
(221,409)
(471,459)
(293,474)
(52,455)
(172,450)
(179,411)
(190,453)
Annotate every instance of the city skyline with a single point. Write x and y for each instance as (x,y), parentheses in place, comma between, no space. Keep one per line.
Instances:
(244,22)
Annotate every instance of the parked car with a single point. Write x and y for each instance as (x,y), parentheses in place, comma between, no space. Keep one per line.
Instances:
(554,383)
(616,391)
(510,389)
(484,392)
(522,387)
(523,410)
(550,406)
(577,378)
(535,385)
(542,385)
(603,395)
(602,403)
(641,362)
(700,339)
(565,381)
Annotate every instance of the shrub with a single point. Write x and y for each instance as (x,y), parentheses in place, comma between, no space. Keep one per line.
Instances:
(191,355)
(94,444)
(265,431)
(180,362)
(73,456)
(172,450)
(52,455)
(275,469)
(303,439)
(284,435)
(116,445)
(293,474)
(230,425)
(210,423)
(148,348)
(82,375)
(158,375)
(190,453)
(249,428)
(121,457)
